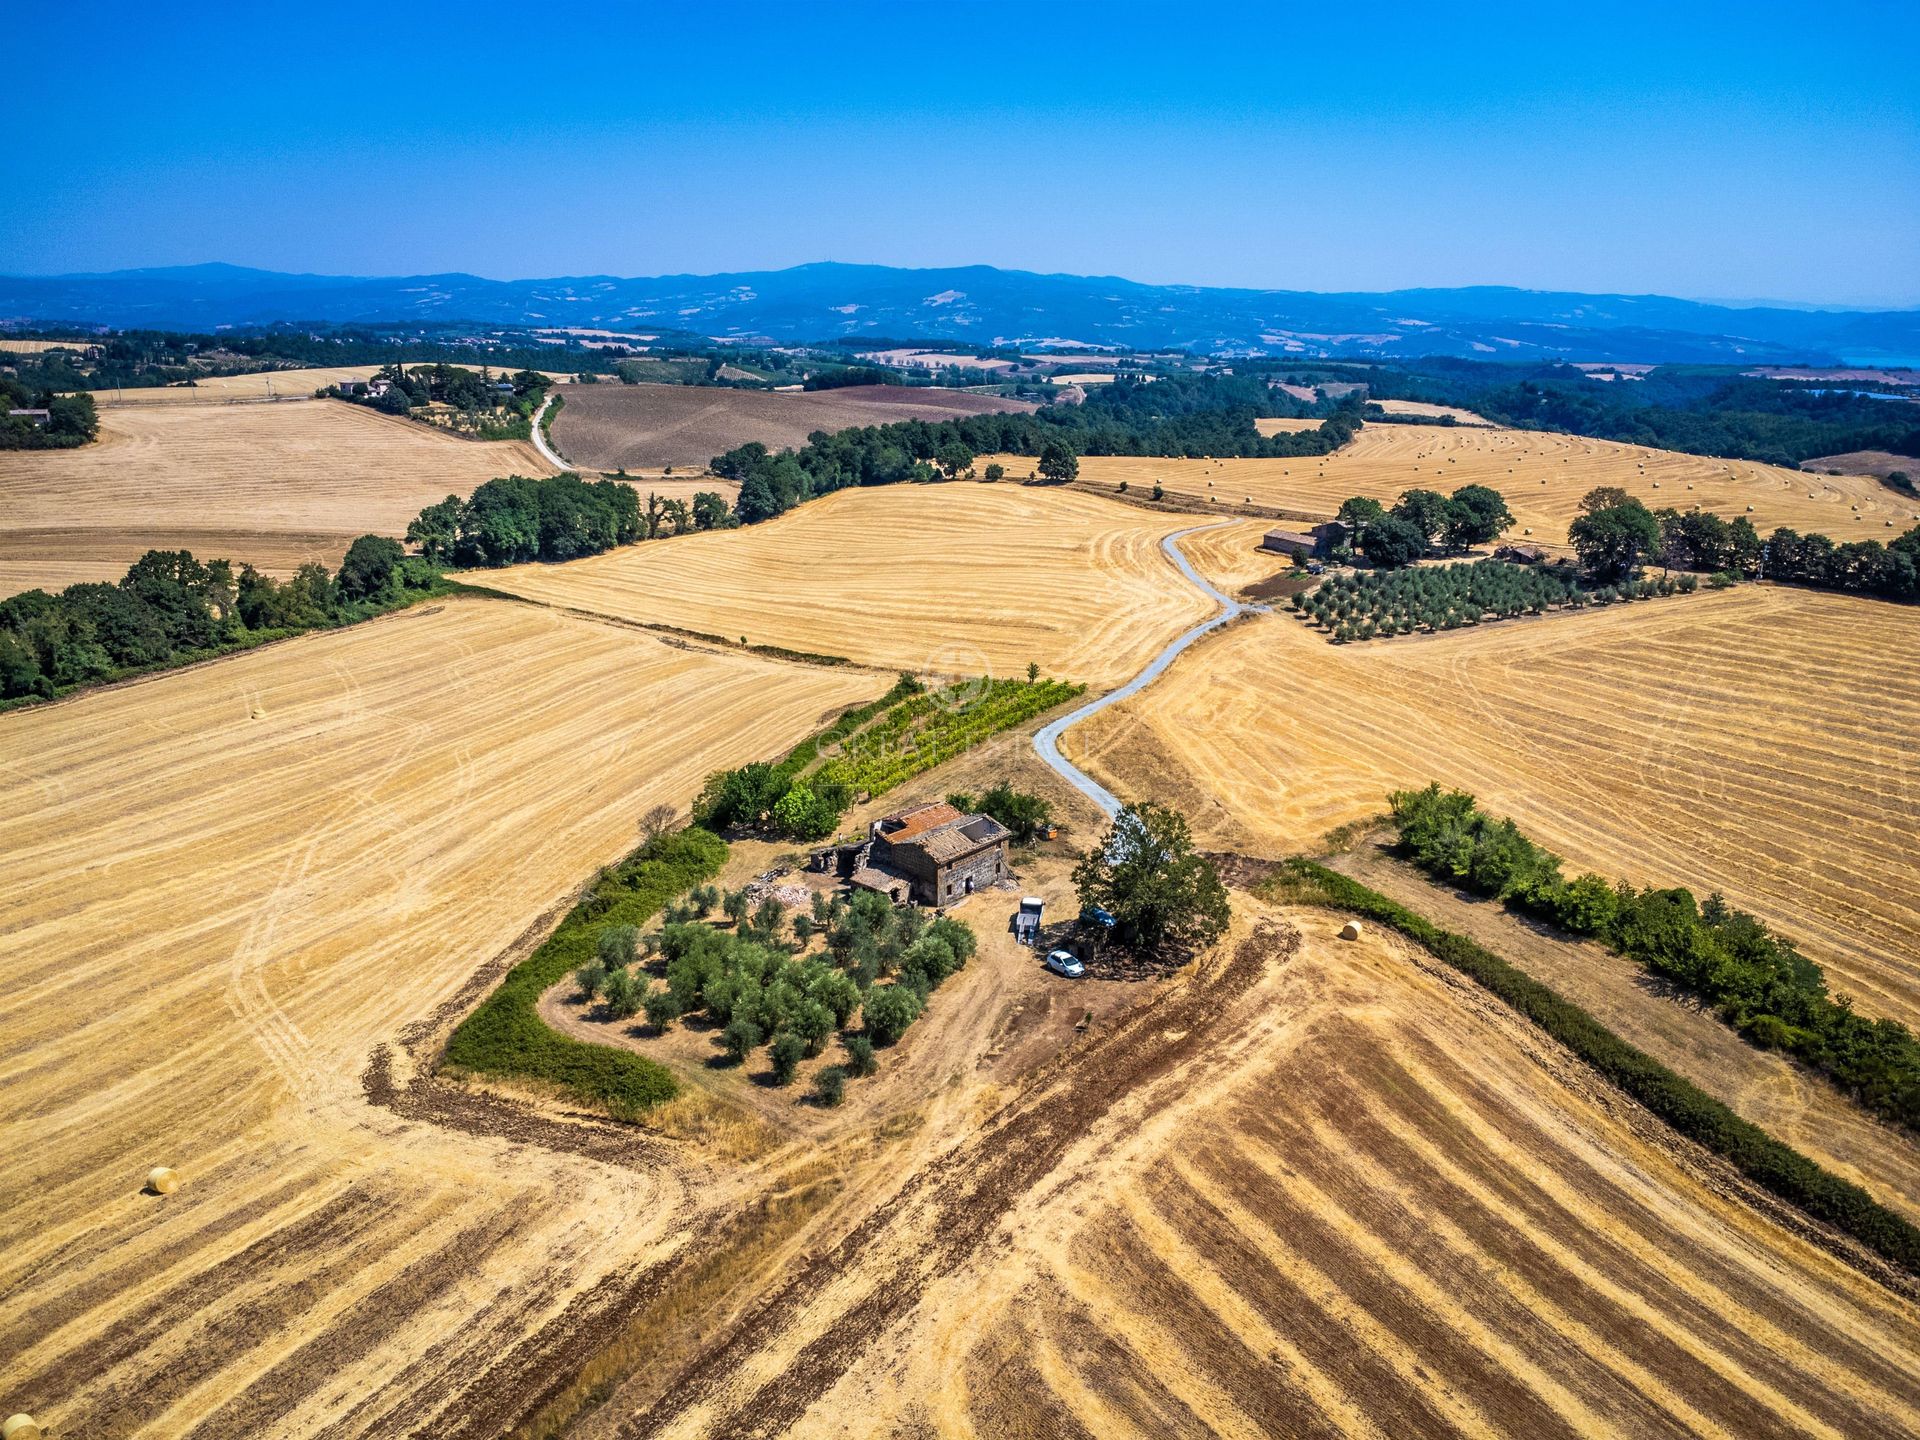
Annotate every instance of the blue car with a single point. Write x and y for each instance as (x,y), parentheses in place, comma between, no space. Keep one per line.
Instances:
(1094,915)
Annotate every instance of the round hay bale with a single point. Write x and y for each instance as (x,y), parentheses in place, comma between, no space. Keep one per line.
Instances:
(20,1427)
(1350,930)
(162,1181)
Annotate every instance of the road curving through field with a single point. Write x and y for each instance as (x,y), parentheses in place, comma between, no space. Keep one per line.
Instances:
(1047,741)
(539,437)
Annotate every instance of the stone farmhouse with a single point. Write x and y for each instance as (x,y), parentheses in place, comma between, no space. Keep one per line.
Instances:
(930,854)
(1316,544)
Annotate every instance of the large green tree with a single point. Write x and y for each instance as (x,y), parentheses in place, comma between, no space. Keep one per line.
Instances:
(1474,514)
(1058,463)
(1159,889)
(1613,538)
(1391,542)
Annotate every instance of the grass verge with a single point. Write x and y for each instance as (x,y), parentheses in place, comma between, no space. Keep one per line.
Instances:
(506,1037)
(1683,1105)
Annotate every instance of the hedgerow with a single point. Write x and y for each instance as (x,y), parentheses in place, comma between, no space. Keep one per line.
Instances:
(506,1036)
(1754,978)
(1676,1100)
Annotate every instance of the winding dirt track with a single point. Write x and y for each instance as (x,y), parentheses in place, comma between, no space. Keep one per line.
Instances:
(225,888)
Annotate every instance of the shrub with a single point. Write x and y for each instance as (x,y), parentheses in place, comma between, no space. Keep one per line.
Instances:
(661,1007)
(830,1085)
(590,977)
(888,1011)
(786,1053)
(859,1050)
(740,1037)
(930,960)
(618,946)
(623,994)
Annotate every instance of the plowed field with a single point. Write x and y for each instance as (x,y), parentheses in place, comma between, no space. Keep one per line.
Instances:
(641,427)
(1311,1190)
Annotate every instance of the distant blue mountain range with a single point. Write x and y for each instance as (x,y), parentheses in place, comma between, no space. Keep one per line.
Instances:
(983,305)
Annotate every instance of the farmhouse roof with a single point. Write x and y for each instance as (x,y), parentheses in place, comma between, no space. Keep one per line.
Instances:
(960,837)
(883,882)
(1287,537)
(916,820)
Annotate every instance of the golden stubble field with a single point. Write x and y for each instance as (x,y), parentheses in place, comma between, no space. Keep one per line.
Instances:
(1310,1189)
(957,579)
(1758,741)
(227,889)
(1541,474)
(263,386)
(269,485)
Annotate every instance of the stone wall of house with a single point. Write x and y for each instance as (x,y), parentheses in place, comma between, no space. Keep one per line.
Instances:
(984,869)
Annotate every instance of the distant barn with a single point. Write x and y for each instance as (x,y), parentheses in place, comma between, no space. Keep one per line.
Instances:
(1314,544)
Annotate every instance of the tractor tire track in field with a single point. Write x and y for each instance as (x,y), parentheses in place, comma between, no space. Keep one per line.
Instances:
(954,1205)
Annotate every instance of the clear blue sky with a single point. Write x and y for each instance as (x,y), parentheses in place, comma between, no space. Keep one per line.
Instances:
(1707,150)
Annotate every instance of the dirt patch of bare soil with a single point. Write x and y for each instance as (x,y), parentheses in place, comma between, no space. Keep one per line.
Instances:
(641,426)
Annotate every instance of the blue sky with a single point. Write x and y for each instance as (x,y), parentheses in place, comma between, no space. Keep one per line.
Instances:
(1713,151)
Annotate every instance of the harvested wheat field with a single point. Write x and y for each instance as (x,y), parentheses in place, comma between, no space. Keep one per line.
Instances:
(957,579)
(1445,1227)
(40,347)
(1541,474)
(641,427)
(261,385)
(1758,741)
(269,485)
(234,897)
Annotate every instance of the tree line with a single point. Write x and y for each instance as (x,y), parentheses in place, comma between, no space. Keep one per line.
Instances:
(1701,410)
(170,608)
(1471,515)
(71,419)
(1182,415)
(1754,978)
(513,519)
(1614,534)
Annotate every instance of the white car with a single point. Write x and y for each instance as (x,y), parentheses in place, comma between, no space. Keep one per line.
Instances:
(1065,962)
